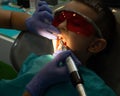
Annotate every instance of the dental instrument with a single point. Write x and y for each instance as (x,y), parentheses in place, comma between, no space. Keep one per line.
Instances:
(76,79)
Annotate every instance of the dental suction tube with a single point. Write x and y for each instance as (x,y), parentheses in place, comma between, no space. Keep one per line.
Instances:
(75,77)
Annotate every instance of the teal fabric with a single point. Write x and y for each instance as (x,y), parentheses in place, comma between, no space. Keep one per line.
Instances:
(6,7)
(9,32)
(94,86)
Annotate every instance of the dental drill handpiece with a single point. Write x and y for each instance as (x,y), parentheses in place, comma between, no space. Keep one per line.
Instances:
(74,75)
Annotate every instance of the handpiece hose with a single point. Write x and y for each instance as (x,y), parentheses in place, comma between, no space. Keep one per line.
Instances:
(75,77)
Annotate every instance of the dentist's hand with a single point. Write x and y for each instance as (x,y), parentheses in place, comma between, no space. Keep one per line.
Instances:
(54,72)
(41,21)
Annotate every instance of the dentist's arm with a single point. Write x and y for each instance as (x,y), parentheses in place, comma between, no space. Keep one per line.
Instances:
(13,20)
(26,93)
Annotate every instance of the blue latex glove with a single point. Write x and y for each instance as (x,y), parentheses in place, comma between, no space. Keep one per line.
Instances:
(40,22)
(51,74)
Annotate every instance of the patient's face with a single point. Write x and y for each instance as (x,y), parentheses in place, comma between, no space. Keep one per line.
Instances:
(77,42)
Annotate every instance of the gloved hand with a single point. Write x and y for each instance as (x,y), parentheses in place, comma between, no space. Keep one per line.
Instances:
(41,21)
(51,74)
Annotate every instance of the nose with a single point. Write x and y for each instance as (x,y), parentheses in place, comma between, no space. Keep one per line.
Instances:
(63,26)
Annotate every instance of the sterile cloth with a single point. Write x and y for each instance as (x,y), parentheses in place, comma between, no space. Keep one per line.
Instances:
(94,85)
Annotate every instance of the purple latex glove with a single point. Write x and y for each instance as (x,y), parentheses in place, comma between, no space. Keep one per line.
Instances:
(41,21)
(51,74)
